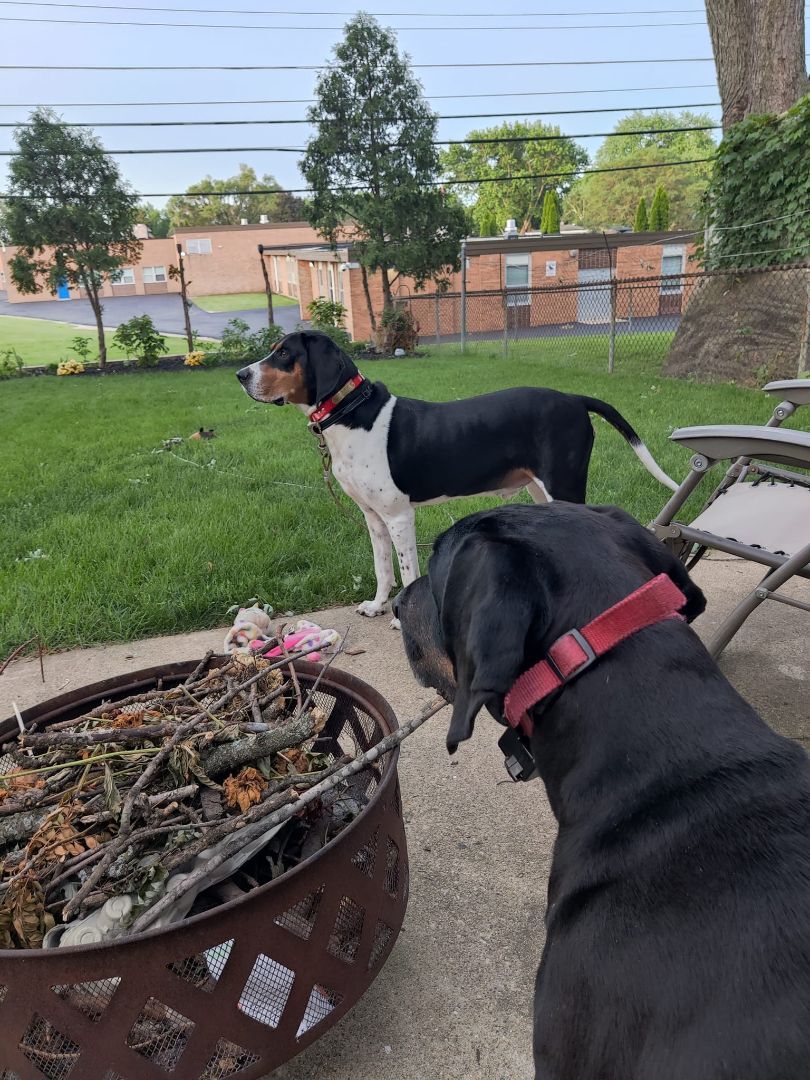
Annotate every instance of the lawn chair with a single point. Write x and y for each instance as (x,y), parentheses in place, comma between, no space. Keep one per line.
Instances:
(759,511)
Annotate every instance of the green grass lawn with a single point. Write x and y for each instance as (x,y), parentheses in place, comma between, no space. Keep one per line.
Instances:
(241,301)
(41,342)
(137,542)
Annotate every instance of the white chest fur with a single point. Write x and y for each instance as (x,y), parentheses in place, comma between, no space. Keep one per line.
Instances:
(360,463)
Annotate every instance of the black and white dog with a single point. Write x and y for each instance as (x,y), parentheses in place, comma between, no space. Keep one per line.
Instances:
(390,454)
(678,920)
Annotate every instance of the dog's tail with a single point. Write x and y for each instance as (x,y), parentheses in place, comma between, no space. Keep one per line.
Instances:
(616,420)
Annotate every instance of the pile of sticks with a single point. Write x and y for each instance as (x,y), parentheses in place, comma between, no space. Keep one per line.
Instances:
(112,802)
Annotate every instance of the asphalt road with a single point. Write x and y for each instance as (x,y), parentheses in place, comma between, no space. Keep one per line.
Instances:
(165,310)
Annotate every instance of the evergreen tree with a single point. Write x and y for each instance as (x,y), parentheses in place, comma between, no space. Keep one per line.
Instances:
(659,211)
(641,223)
(550,221)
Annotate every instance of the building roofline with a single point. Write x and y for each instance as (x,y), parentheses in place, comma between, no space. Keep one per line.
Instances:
(201,230)
(492,245)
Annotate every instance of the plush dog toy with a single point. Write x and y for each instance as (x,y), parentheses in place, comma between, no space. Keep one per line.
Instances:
(252,630)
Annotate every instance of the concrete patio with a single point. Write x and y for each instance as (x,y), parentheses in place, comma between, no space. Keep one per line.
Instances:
(454,1000)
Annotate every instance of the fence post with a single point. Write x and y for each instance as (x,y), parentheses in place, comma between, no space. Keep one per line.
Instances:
(463,295)
(505,322)
(612,349)
(630,309)
(438,319)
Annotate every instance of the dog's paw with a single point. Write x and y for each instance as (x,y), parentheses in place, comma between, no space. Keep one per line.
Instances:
(396,624)
(370,608)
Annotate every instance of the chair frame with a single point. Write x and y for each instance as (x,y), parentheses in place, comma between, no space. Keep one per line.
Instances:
(747,448)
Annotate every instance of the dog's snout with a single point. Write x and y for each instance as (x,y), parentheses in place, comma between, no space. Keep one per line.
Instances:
(243,374)
(396,604)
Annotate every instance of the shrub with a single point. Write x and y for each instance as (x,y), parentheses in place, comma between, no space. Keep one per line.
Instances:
(139,338)
(550,220)
(70,367)
(398,330)
(82,347)
(11,363)
(326,313)
(240,343)
(195,359)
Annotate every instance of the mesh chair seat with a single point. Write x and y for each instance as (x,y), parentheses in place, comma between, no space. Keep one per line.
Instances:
(772,516)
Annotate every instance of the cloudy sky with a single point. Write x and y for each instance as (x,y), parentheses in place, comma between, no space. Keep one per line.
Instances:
(475,31)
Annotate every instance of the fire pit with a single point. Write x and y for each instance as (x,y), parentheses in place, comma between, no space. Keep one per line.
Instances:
(238,990)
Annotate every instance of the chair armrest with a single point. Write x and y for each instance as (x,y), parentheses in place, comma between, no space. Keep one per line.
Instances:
(796,391)
(782,445)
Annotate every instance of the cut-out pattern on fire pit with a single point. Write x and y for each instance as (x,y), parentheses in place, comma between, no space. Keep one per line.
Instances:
(267,991)
(90,998)
(53,1053)
(204,969)
(300,918)
(160,1034)
(344,940)
(382,935)
(285,987)
(321,1002)
(228,1059)
(365,858)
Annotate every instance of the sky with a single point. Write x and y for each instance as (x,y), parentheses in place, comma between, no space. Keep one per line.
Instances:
(447,31)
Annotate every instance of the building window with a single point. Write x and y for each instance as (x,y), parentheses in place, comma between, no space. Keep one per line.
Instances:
(292,275)
(332,289)
(518,279)
(600,258)
(341,293)
(321,268)
(198,247)
(276,279)
(152,274)
(672,263)
(124,276)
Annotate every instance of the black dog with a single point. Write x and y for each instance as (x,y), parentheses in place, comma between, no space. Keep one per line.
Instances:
(391,454)
(678,922)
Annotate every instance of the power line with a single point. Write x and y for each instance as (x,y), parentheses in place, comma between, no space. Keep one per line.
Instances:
(325,67)
(432,183)
(451,116)
(378,14)
(254,26)
(311,101)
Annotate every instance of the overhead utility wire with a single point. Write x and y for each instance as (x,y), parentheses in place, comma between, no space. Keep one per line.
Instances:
(311,101)
(254,26)
(377,14)
(325,67)
(432,183)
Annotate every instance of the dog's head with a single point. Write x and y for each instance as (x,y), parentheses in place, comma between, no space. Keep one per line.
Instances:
(504,584)
(304,368)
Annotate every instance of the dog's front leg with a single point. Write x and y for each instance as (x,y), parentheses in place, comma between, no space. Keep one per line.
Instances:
(383,564)
(402,530)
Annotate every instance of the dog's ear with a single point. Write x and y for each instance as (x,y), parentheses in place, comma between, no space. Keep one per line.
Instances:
(327,367)
(657,557)
(489,619)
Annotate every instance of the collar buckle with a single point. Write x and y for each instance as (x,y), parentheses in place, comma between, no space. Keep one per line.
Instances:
(565,670)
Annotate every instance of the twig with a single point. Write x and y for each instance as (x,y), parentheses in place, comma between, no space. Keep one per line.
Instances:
(277,817)
(230,756)
(45,739)
(198,670)
(324,668)
(268,698)
(293,675)
(20,649)
(176,794)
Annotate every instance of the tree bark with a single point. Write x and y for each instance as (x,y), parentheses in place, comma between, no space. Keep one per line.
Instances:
(95,304)
(388,299)
(759,55)
(372,317)
(268,290)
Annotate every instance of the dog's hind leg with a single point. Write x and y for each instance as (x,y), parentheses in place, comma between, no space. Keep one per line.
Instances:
(383,564)
(402,530)
(538,491)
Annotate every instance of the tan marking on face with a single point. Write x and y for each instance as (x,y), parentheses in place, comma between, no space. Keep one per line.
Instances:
(291,385)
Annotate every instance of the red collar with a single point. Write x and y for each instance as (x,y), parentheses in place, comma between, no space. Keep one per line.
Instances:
(575,651)
(327,406)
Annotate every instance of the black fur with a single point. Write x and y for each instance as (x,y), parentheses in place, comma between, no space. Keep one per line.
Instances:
(448,449)
(678,922)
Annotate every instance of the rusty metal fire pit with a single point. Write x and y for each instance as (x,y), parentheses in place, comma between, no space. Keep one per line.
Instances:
(238,990)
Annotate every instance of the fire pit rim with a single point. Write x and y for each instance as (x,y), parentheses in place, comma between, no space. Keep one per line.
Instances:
(345,681)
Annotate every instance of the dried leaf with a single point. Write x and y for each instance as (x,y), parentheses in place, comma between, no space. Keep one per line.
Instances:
(245,789)
(112,797)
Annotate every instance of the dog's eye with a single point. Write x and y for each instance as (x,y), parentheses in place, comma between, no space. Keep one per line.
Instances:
(283,355)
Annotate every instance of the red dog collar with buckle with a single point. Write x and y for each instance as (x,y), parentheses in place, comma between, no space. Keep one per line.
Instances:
(326,407)
(575,651)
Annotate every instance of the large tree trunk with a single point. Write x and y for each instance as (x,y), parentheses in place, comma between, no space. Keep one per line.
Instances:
(388,299)
(759,55)
(98,310)
(372,317)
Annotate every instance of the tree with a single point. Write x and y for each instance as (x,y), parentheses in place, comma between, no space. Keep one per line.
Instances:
(641,223)
(659,210)
(550,221)
(372,164)
(70,216)
(611,198)
(289,207)
(158,220)
(206,204)
(759,55)
(504,153)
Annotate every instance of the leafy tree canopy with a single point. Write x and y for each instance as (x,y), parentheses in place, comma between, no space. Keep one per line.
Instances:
(604,199)
(372,164)
(158,220)
(212,207)
(518,199)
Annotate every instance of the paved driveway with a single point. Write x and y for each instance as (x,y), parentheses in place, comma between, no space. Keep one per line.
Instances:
(165,310)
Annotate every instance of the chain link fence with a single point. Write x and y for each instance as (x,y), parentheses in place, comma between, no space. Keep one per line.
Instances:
(609,321)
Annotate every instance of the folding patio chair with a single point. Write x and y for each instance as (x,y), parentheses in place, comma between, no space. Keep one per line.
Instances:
(759,511)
